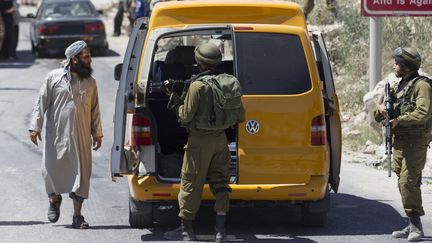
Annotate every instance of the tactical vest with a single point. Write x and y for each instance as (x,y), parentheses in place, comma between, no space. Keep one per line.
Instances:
(404,103)
(227,102)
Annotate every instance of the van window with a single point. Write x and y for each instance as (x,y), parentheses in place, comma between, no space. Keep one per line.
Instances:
(174,57)
(270,63)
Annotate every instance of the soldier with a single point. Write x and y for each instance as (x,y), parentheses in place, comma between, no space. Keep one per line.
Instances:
(206,152)
(412,103)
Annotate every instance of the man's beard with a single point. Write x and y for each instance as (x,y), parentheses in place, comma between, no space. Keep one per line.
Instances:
(398,74)
(83,70)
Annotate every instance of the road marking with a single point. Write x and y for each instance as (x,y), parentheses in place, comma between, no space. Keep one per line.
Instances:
(212,237)
(274,237)
(346,206)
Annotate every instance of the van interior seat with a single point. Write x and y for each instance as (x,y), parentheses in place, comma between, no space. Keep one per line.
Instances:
(179,64)
(171,136)
(227,67)
(181,55)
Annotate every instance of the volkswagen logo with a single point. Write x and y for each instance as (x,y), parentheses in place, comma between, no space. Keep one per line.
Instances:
(252,126)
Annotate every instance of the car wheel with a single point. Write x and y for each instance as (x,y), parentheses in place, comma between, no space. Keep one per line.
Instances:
(140,213)
(40,53)
(102,51)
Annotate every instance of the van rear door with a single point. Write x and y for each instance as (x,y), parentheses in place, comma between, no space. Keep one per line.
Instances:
(125,102)
(333,122)
(282,99)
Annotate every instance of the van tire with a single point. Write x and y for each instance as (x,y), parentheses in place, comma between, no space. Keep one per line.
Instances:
(140,214)
(315,213)
(313,219)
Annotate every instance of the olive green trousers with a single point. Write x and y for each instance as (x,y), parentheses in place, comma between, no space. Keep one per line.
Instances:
(409,158)
(206,157)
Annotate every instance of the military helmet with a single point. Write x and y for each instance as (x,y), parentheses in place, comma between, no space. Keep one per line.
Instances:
(408,56)
(208,54)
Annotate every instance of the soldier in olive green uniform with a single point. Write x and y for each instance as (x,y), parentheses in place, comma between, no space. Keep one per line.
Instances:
(412,102)
(206,152)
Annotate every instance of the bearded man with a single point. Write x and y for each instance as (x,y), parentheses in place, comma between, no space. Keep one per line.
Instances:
(68,101)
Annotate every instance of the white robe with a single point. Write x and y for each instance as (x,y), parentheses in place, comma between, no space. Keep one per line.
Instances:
(71,121)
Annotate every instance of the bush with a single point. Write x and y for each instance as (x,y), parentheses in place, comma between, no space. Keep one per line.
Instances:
(358,142)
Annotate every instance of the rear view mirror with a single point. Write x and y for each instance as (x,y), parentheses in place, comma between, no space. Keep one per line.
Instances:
(117,71)
(30,15)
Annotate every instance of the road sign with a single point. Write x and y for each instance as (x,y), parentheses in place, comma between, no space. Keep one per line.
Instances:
(396,7)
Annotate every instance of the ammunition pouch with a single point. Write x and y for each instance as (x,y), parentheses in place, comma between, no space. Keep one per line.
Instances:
(407,107)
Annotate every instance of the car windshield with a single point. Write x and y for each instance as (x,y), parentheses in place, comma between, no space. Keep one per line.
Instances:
(67,10)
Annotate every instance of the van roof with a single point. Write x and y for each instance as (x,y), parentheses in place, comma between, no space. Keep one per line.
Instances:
(181,13)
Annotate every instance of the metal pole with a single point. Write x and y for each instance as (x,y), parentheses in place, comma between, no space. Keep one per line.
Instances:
(375,51)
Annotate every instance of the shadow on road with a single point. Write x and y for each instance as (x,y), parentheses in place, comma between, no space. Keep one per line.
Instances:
(21,223)
(97,227)
(60,54)
(349,215)
(25,60)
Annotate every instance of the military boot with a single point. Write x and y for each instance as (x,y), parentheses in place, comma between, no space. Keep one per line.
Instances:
(416,232)
(183,233)
(220,229)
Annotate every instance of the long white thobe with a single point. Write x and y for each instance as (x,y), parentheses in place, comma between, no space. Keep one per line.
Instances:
(72,118)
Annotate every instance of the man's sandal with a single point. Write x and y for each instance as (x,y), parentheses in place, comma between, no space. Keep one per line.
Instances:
(54,210)
(78,222)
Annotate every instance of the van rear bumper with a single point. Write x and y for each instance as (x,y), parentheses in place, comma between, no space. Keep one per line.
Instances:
(148,188)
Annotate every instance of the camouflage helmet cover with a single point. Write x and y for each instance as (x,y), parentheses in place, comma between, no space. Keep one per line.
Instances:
(208,54)
(408,56)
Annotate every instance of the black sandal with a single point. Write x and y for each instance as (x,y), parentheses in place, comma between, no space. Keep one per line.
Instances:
(54,210)
(78,222)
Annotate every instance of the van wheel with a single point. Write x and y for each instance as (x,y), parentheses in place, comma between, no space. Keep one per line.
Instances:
(315,213)
(316,219)
(140,213)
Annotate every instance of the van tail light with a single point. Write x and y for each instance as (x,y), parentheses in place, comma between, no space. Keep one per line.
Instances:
(318,131)
(94,27)
(141,134)
(48,28)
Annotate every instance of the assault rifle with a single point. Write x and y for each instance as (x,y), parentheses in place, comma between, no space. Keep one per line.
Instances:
(172,85)
(388,102)
(169,84)
(180,87)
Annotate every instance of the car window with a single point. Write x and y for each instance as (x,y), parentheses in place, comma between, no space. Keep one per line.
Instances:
(271,63)
(67,10)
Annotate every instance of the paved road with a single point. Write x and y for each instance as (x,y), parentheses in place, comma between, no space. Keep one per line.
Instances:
(366,209)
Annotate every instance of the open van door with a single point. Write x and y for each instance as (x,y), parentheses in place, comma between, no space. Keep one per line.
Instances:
(331,102)
(125,101)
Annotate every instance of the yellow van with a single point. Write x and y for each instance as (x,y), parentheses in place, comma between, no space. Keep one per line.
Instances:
(287,151)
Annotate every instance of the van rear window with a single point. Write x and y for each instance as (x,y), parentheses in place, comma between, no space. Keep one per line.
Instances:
(271,63)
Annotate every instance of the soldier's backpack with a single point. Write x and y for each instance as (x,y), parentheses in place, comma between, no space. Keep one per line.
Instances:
(227,104)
